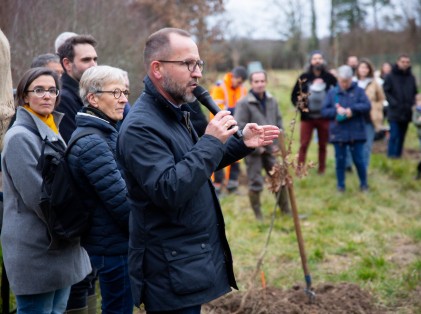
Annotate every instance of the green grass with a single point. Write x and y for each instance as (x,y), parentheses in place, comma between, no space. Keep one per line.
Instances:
(370,239)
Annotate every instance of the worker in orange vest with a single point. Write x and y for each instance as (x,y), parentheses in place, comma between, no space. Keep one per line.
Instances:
(226,93)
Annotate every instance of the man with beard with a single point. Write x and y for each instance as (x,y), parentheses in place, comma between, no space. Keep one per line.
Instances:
(179,256)
(353,62)
(77,54)
(400,88)
(317,81)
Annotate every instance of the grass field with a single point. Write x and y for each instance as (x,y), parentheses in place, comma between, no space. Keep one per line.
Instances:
(371,239)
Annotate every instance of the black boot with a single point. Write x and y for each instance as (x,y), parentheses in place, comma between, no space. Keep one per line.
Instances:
(283,201)
(255,204)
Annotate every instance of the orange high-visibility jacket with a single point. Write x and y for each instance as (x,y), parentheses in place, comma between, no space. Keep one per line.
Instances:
(224,95)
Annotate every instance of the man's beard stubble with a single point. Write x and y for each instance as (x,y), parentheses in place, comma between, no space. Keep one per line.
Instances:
(177,92)
(318,67)
(77,75)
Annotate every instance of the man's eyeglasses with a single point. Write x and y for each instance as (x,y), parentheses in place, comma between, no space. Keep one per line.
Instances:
(40,92)
(192,65)
(116,93)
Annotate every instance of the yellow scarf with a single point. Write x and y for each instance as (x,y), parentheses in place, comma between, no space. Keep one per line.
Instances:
(48,120)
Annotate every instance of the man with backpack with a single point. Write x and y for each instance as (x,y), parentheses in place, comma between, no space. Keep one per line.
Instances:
(317,81)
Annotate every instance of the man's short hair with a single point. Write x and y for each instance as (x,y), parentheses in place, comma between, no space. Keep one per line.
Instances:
(66,50)
(157,46)
(240,71)
(255,72)
(345,72)
(62,38)
(315,52)
(44,59)
(403,56)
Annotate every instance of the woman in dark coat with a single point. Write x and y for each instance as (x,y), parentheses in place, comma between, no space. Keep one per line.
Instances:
(103,189)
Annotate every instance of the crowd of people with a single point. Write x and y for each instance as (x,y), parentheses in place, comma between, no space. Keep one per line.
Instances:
(349,107)
(157,232)
(172,254)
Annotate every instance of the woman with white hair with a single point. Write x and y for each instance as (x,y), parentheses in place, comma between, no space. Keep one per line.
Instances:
(346,105)
(92,162)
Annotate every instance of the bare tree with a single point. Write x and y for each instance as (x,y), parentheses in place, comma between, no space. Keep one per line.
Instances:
(289,25)
(314,40)
(377,6)
(120,27)
(411,11)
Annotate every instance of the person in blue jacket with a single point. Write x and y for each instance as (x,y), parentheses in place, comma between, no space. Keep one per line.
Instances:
(346,105)
(102,188)
(179,257)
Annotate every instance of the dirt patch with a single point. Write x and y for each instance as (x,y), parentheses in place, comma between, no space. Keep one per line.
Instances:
(380,147)
(334,264)
(415,298)
(405,251)
(330,298)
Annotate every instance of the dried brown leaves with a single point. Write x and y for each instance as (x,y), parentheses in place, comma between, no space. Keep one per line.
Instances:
(279,175)
(302,98)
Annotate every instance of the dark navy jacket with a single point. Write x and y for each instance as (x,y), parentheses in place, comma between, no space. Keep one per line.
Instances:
(400,88)
(93,165)
(70,104)
(351,129)
(178,252)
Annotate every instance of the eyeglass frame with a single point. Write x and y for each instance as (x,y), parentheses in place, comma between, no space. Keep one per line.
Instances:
(121,92)
(45,91)
(198,63)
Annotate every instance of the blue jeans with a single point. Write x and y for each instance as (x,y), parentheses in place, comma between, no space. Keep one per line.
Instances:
(348,160)
(369,134)
(356,149)
(187,310)
(396,138)
(53,302)
(114,282)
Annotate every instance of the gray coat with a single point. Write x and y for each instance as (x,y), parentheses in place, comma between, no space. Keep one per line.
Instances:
(248,109)
(31,267)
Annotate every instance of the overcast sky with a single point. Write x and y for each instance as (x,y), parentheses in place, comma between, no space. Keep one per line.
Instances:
(254,18)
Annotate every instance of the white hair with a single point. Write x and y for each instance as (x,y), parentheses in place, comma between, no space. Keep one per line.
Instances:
(95,78)
(345,72)
(62,38)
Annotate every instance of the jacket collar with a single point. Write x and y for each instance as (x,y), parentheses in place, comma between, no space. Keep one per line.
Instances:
(161,100)
(252,98)
(352,87)
(396,70)
(70,83)
(84,119)
(23,116)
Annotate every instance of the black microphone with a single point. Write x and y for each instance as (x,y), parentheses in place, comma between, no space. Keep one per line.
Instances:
(206,100)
